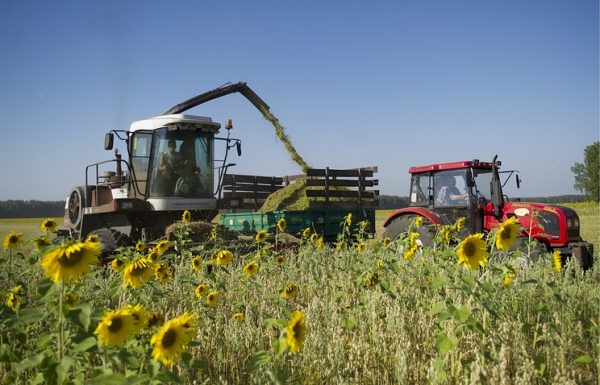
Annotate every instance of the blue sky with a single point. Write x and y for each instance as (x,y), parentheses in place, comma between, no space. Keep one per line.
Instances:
(391,84)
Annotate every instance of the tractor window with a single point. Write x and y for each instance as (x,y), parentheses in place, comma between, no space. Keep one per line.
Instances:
(419,190)
(483,177)
(182,164)
(450,189)
(141,144)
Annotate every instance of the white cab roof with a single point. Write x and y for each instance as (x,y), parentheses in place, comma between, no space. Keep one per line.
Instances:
(191,121)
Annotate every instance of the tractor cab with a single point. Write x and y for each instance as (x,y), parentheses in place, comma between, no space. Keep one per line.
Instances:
(455,190)
(171,158)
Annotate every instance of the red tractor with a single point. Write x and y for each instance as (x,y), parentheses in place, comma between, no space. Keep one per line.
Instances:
(442,193)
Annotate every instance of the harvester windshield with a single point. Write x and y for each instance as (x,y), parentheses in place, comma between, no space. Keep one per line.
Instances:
(181,164)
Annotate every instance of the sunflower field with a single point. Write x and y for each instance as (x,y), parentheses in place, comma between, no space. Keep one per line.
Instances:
(359,311)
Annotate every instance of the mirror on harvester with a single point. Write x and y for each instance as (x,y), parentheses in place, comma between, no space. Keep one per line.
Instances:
(238,147)
(518,180)
(108,141)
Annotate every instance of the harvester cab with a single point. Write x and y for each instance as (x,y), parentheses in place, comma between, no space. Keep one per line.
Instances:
(442,193)
(169,167)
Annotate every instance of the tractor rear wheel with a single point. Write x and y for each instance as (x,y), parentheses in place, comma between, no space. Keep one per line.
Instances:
(401,225)
(110,240)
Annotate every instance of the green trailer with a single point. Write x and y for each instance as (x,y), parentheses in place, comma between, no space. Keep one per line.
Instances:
(327,223)
(331,196)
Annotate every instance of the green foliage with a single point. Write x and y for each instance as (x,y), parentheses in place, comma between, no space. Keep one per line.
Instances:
(372,316)
(587,173)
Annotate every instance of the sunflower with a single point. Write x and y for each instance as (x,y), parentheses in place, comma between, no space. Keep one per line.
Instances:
(162,246)
(140,246)
(281,225)
(93,238)
(224,257)
(314,238)
(201,290)
(289,291)
(154,319)
(472,252)
(348,219)
(370,280)
(445,233)
(280,259)
(116,327)
(71,298)
(238,317)
(48,225)
(170,341)
(196,263)
(162,272)
(261,236)
(251,268)
(212,298)
(506,234)
(70,260)
(379,263)
(412,238)
(295,332)
(14,298)
(213,233)
(139,316)
(418,221)
(137,272)
(557,260)
(508,278)
(410,252)
(13,240)
(341,245)
(361,247)
(306,232)
(386,242)
(117,265)
(320,243)
(153,254)
(186,217)
(41,242)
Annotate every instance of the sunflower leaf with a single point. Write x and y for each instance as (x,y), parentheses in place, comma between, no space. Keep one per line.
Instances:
(85,345)
(445,343)
(80,315)
(30,315)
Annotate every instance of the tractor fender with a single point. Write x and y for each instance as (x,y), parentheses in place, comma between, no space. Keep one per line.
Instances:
(421,211)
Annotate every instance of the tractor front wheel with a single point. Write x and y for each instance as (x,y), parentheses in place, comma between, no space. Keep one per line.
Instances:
(402,224)
(110,240)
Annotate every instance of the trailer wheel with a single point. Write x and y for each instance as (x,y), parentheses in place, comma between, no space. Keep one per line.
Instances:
(401,224)
(110,240)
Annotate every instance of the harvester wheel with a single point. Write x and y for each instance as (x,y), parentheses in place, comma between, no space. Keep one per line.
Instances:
(110,240)
(401,224)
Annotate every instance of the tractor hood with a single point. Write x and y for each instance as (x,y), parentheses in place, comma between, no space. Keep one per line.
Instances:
(557,225)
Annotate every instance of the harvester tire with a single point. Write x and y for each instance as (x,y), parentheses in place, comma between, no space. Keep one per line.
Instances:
(110,240)
(401,224)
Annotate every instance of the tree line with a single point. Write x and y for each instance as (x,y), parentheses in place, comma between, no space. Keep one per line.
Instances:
(31,209)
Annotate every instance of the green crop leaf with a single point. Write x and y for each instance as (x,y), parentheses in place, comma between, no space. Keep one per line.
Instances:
(108,379)
(259,358)
(584,359)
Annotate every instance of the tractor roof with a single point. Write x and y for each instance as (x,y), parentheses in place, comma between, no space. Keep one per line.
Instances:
(177,120)
(450,166)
